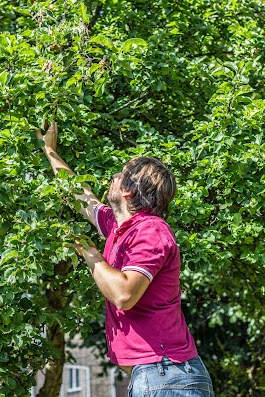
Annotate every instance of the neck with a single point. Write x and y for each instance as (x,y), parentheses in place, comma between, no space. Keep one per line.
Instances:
(121,214)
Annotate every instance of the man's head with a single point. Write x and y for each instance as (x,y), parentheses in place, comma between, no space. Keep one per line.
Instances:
(149,184)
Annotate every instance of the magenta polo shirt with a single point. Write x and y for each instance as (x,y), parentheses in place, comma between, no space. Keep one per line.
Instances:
(155,326)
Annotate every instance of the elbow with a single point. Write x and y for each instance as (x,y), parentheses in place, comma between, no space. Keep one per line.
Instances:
(124,306)
(124,303)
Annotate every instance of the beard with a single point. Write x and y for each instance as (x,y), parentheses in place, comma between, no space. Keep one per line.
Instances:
(114,200)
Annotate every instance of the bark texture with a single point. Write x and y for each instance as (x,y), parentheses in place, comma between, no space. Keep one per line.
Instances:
(56,302)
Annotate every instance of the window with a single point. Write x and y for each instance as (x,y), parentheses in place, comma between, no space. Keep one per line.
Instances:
(74,383)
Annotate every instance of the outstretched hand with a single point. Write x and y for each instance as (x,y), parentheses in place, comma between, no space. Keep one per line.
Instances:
(91,255)
(50,138)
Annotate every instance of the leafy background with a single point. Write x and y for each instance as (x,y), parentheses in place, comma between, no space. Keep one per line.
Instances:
(182,81)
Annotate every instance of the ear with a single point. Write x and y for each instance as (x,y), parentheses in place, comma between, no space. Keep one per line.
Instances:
(126,194)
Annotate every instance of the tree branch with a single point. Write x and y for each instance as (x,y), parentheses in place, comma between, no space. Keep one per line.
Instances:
(95,16)
(118,135)
(208,54)
(127,104)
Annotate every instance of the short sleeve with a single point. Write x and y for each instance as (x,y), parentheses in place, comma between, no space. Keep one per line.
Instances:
(104,219)
(146,252)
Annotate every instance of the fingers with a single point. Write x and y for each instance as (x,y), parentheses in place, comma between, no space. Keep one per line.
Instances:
(80,250)
(50,137)
(90,250)
(53,128)
(69,245)
(39,134)
(54,125)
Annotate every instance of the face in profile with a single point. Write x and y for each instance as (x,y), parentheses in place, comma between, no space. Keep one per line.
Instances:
(114,194)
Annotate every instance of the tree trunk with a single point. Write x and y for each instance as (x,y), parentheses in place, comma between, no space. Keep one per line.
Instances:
(54,369)
(55,334)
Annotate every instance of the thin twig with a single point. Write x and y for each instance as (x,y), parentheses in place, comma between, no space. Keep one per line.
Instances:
(127,104)
(118,135)
(208,54)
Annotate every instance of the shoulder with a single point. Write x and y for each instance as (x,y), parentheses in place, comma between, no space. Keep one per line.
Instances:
(159,225)
(156,230)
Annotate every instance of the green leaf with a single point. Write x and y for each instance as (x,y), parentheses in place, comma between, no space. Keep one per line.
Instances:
(92,116)
(84,178)
(84,243)
(175,31)
(77,205)
(12,383)
(3,357)
(4,40)
(26,33)
(103,40)
(18,318)
(47,190)
(40,95)
(7,255)
(99,86)
(74,259)
(71,81)
(63,174)
(219,137)
(95,67)
(131,44)
(84,15)
(237,218)
(5,133)
(3,78)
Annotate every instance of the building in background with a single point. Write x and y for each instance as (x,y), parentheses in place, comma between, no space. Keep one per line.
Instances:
(82,379)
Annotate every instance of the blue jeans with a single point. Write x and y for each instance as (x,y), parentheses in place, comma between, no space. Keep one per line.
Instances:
(168,379)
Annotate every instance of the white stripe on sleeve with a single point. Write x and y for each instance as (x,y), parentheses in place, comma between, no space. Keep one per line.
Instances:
(138,269)
(96,210)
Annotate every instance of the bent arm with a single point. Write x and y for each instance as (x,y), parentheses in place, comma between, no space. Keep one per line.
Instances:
(123,289)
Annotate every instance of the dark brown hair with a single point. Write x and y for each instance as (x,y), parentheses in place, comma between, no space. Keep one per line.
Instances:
(151,184)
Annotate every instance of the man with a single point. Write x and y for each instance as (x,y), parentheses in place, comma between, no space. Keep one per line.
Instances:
(139,276)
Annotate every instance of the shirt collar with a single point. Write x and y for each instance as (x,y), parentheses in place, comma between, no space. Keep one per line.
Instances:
(140,216)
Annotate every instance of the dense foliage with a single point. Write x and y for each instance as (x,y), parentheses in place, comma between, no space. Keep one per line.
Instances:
(180,80)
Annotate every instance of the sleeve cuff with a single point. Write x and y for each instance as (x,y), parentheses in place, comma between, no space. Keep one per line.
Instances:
(138,269)
(96,211)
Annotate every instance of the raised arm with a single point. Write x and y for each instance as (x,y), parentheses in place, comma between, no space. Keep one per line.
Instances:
(50,140)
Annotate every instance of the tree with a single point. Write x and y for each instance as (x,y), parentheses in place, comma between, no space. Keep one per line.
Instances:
(179,80)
